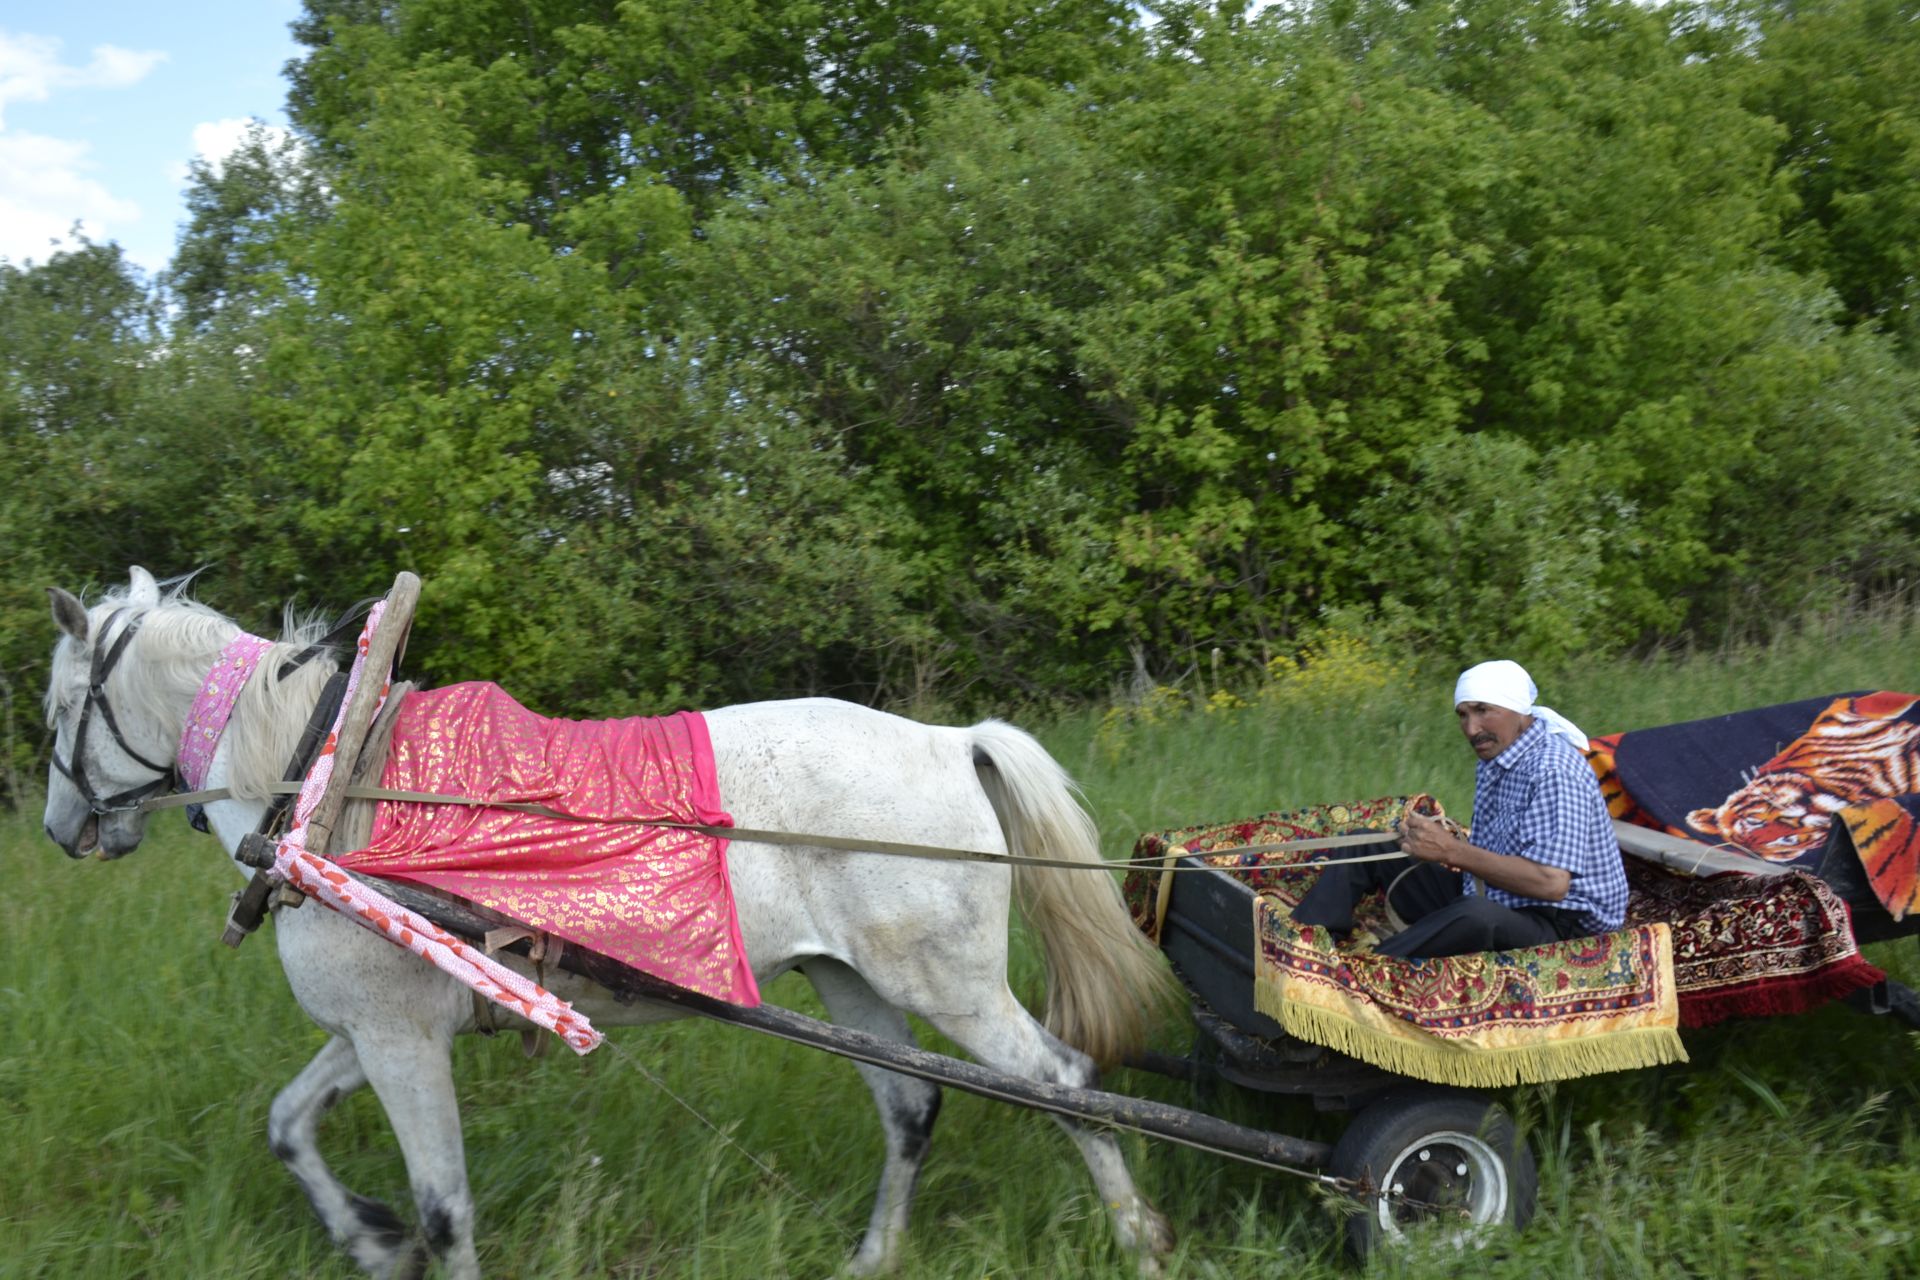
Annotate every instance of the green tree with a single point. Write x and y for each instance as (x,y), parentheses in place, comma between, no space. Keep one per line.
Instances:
(76,335)
(1632,299)
(981,349)
(1488,545)
(242,212)
(570,99)
(928,315)
(413,355)
(1294,337)
(1839,76)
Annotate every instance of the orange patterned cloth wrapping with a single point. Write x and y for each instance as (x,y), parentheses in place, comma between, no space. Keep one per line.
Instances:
(1847,779)
(656,899)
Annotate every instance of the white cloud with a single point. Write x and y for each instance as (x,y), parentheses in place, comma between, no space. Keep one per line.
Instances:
(215,140)
(45,183)
(31,70)
(44,189)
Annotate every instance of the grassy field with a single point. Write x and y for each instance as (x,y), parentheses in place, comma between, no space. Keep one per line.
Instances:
(139,1056)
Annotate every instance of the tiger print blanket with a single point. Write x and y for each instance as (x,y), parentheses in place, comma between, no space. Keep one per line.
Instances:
(1846,780)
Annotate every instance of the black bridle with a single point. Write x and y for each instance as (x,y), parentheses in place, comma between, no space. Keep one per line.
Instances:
(105,657)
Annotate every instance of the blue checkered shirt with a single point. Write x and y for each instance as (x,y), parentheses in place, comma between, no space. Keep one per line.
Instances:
(1539,799)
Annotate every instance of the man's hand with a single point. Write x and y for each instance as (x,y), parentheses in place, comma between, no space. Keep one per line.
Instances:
(1431,840)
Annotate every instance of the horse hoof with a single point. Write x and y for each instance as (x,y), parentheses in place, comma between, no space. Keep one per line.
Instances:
(1146,1231)
(1157,1238)
(878,1255)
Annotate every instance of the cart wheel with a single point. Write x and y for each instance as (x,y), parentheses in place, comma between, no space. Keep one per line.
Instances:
(1442,1162)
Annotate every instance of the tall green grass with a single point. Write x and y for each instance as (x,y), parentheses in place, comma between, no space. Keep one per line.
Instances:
(139,1056)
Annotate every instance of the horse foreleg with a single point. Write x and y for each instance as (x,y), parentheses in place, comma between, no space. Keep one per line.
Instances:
(908,1108)
(370,1233)
(412,1072)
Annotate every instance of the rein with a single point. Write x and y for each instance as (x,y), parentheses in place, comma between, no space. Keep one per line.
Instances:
(144,799)
(847,844)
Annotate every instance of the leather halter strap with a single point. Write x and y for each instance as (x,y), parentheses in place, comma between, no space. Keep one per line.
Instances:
(105,658)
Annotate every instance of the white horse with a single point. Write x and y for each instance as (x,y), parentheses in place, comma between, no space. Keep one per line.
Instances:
(876,935)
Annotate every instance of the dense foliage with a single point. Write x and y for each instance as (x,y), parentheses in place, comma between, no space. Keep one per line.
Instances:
(1004,349)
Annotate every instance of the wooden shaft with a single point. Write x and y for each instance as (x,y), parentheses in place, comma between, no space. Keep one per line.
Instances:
(1157,1119)
(384,644)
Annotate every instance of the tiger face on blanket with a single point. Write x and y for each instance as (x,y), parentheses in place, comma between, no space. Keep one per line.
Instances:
(1856,749)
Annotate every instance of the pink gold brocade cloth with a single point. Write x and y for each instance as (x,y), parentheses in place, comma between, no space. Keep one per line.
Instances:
(657,899)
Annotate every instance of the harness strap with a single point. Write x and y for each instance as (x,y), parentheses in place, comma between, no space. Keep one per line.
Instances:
(319,723)
(346,625)
(249,905)
(104,662)
(848,844)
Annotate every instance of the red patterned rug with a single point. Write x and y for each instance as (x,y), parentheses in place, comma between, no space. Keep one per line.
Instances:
(1146,891)
(1750,945)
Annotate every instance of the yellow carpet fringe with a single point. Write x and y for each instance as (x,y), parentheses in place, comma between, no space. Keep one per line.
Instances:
(1321,1012)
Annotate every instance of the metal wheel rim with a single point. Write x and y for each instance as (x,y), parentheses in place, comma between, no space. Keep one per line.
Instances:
(1463,1170)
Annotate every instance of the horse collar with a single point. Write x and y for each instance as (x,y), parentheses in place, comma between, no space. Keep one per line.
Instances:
(213,706)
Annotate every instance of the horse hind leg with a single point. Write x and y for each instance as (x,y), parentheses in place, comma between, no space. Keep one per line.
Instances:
(907,1106)
(1003,1035)
(367,1230)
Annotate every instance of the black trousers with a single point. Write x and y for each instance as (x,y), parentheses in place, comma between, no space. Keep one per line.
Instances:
(1441,920)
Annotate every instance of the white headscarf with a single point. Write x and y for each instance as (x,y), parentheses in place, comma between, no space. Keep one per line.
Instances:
(1503,683)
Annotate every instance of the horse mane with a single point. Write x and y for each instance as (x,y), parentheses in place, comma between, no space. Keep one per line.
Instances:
(178,641)
(272,713)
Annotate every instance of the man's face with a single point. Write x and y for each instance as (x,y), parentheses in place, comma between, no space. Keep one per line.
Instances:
(1490,729)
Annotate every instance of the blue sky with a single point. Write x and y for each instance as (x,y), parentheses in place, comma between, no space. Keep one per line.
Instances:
(102,105)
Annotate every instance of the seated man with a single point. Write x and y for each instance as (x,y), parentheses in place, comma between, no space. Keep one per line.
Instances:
(1542,861)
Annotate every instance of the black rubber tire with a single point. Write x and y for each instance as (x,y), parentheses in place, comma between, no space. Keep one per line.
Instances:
(1903,1003)
(1439,1146)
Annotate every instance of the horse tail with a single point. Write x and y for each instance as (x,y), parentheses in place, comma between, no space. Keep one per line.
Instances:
(1106,982)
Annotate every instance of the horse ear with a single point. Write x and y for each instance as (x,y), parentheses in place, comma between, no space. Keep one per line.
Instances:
(68,613)
(145,592)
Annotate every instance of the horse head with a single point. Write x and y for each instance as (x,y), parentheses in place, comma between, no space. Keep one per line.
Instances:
(108,703)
